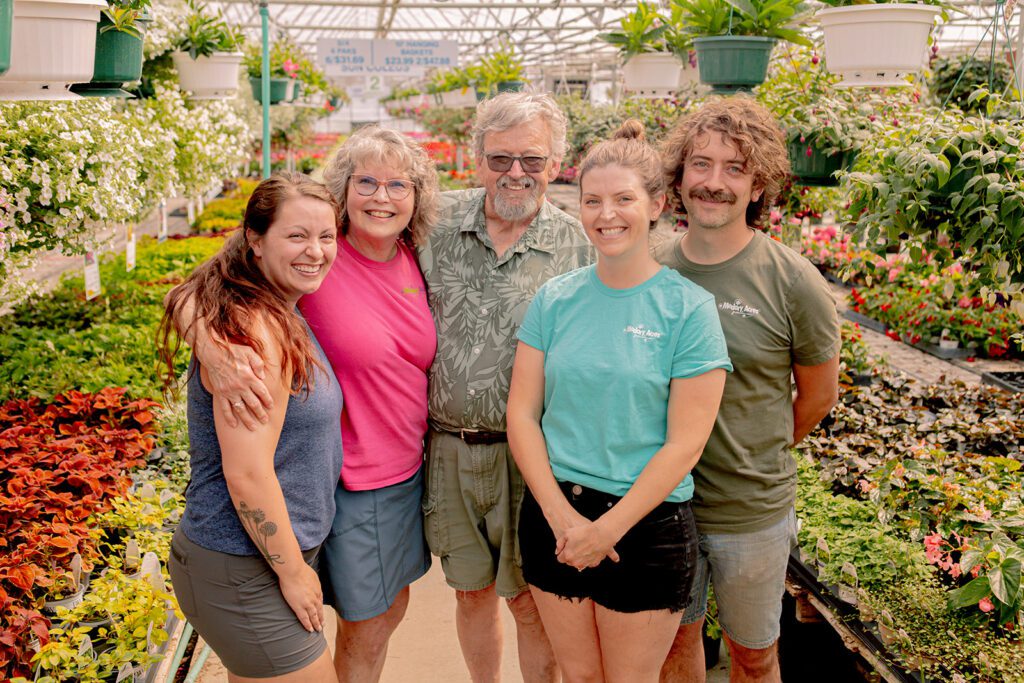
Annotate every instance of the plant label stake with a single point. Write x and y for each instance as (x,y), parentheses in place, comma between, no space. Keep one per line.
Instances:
(76,570)
(85,647)
(126,672)
(163,221)
(132,555)
(147,490)
(92,276)
(190,211)
(129,249)
(151,570)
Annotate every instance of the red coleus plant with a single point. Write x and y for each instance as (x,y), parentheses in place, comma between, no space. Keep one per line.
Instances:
(59,463)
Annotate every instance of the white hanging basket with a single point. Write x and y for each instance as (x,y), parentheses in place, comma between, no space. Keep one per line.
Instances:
(53,44)
(457,99)
(652,74)
(208,78)
(876,45)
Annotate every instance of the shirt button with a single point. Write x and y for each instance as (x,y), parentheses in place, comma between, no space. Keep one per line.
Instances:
(483,311)
(577,490)
(609,504)
(472,392)
(476,350)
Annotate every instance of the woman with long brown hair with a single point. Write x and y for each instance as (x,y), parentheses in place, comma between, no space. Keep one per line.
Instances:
(260,502)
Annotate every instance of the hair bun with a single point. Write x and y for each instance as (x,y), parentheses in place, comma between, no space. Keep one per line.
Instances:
(631,129)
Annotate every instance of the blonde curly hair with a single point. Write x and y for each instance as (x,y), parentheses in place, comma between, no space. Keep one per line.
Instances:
(751,129)
(373,144)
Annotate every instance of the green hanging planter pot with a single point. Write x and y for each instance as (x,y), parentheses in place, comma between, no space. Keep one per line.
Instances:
(816,168)
(510,86)
(6,21)
(279,88)
(730,64)
(118,61)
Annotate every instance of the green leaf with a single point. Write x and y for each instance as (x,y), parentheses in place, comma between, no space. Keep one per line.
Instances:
(744,7)
(969,595)
(1005,581)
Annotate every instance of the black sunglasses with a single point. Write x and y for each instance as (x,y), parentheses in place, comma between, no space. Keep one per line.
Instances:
(499,163)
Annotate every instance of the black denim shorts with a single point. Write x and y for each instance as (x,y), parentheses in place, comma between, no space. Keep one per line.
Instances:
(657,557)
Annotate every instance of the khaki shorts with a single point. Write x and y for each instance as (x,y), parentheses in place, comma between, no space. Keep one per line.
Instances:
(471,512)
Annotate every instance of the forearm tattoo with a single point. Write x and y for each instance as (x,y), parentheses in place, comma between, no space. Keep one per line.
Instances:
(260,529)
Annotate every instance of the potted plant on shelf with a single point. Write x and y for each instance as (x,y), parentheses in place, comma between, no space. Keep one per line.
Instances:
(283,71)
(651,69)
(52,45)
(872,44)
(207,57)
(734,38)
(119,38)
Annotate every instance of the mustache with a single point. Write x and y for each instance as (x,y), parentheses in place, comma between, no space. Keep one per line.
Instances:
(709,196)
(526,181)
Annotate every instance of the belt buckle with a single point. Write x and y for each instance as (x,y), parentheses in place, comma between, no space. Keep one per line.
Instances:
(463,432)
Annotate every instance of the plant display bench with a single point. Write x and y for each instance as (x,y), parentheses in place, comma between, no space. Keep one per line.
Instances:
(817,602)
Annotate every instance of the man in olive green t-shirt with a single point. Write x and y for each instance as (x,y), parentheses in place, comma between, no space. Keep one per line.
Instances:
(725,165)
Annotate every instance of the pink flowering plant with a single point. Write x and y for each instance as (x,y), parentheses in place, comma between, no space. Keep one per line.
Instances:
(989,568)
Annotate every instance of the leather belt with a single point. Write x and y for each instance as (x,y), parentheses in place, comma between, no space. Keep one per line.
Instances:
(473,437)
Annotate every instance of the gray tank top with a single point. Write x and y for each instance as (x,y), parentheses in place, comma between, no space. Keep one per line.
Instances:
(307,463)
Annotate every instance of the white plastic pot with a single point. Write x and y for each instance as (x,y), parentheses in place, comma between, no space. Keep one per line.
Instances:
(652,74)
(876,45)
(457,99)
(208,78)
(53,44)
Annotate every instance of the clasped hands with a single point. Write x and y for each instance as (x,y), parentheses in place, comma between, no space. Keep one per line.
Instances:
(581,543)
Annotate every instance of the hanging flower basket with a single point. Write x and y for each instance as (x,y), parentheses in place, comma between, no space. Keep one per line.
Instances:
(53,44)
(6,17)
(456,99)
(279,89)
(208,78)
(510,86)
(813,166)
(876,45)
(730,64)
(118,61)
(652,74)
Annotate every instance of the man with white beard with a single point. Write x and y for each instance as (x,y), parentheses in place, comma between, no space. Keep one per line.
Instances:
(492,249)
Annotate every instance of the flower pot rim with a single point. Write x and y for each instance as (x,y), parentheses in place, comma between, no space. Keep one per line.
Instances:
(88,3)
(655,56)
(736,39)
(215,55)
(882,7)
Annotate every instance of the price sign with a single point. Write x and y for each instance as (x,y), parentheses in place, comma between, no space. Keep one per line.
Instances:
(129,248)
(92,276)
(355,56)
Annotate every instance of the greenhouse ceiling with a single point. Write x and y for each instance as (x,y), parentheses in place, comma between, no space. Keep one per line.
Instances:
(550,35)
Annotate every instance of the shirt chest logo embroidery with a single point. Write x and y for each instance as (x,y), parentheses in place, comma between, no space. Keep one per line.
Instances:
(411,290)
(739,308)
(641,332)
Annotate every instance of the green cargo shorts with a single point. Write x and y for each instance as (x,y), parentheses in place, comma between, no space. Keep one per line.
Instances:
(471,513)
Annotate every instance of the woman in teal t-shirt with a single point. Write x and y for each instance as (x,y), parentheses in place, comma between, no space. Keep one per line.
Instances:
(616,385)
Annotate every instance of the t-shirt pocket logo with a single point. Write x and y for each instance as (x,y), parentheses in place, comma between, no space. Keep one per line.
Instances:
(642,333)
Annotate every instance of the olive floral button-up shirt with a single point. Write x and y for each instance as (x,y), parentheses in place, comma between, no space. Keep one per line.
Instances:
(479,299)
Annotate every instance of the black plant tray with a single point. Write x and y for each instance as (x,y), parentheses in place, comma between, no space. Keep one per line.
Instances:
(850,617)
(945,354)
(1007,380)
(864,321)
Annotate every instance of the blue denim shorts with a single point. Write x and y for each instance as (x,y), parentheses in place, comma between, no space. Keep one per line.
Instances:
(748,574)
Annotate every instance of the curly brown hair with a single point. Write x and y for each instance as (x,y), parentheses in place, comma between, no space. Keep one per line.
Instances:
(751,129)
(373,144)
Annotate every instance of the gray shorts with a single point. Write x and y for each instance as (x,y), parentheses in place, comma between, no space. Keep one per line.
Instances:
(748,573)
(234,602)
(375,548)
